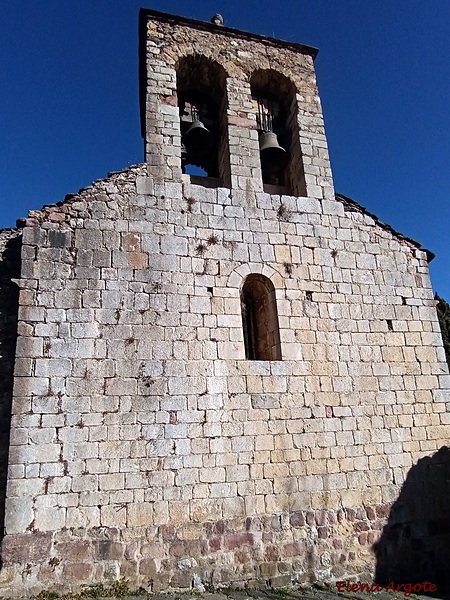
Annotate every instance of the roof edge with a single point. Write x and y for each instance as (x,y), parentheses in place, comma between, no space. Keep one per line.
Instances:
(144,13)
(353,206)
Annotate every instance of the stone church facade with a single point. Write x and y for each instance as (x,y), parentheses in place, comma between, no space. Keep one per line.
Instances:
(220,377)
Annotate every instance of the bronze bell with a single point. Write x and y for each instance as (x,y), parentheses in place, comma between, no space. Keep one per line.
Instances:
(197,139)
(270,150)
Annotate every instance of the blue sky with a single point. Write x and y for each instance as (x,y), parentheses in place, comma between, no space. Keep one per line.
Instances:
(70,110)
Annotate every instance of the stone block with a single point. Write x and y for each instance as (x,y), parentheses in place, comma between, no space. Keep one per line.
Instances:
(107,550)
(49,516)
(144,186)
(174,245)
(26,547)
(28,347)
(52,367)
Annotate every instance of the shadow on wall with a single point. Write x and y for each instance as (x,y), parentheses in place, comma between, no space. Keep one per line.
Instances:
(9,301)
(415,544)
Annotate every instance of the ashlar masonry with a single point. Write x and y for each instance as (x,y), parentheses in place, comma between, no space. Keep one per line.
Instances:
(224,372)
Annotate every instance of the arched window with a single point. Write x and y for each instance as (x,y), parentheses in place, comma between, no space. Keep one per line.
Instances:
(260,319)
(201,101)
(274,104)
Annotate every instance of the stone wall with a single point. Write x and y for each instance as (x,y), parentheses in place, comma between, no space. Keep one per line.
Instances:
(10,242)
(143,444)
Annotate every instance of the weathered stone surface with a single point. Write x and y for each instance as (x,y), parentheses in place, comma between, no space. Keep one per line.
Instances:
(145,442)
(27,547)
(10,249)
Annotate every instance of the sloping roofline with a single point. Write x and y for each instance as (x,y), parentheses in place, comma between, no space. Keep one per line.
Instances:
(353,206)
(349,205)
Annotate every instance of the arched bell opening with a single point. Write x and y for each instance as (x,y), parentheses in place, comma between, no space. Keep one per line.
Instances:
(201,101)
(200,133)
(273,98)
(260,319)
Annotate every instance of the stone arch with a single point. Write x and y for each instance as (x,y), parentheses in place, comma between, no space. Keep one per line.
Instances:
(237,276)
(274,83)
(201,91)
(274,98)
(198,72)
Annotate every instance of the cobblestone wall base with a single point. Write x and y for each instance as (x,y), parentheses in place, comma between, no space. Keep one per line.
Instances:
(301,546)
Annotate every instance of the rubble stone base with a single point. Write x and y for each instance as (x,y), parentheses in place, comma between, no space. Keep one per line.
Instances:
(278,549)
